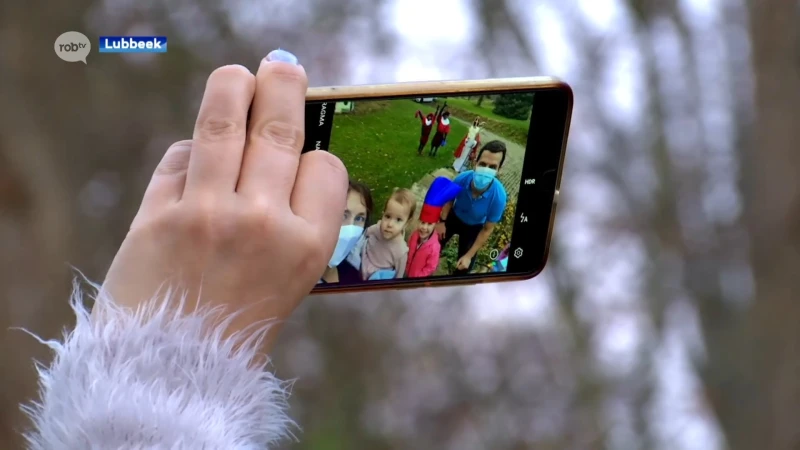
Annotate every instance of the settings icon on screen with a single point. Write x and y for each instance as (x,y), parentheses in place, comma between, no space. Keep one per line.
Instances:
(518,252)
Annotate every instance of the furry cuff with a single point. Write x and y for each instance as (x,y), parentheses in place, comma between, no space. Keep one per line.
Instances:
(156,379)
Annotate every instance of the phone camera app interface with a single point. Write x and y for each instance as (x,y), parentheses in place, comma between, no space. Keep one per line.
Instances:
(434,185)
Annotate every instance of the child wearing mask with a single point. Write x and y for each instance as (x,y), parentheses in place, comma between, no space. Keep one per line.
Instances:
(424,246)
(385,250)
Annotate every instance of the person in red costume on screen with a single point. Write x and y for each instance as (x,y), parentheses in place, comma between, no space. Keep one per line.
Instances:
(423,246)
(427,126)
(442,130)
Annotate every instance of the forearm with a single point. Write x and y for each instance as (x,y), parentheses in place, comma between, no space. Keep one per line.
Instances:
(446,210)
(480,241)
(155,379)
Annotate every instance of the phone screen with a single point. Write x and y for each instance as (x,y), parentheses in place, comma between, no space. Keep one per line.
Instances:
(456,187)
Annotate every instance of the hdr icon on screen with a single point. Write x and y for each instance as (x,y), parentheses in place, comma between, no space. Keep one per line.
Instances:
(133,44)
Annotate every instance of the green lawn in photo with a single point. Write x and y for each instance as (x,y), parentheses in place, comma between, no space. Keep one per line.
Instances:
(466,109)
(378,144)
(484,109)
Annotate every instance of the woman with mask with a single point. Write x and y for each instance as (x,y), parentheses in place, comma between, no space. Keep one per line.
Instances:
(356,216)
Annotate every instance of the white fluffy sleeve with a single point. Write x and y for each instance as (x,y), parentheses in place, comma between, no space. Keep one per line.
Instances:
(154,379)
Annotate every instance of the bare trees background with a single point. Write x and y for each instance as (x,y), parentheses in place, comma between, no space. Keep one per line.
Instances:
(680,226)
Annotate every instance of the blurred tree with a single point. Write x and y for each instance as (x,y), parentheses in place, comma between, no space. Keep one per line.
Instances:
(762,375)
(747,359)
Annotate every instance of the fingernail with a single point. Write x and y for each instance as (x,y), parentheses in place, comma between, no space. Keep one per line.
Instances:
(282,56)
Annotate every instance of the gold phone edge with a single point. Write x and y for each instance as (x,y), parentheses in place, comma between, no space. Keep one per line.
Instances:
(424,88)
(408,89)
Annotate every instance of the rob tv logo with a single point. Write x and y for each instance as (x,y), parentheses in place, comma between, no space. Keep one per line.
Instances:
(73,46)
(133,44)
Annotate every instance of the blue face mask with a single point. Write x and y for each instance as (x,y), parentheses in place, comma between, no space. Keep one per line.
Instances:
(348,238)
(483,177)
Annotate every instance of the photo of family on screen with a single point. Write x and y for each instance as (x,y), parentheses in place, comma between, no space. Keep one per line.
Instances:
(433,186)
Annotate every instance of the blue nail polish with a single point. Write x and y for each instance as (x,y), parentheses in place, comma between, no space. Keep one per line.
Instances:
(282,55)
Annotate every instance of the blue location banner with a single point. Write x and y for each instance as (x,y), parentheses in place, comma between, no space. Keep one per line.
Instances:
(133,44)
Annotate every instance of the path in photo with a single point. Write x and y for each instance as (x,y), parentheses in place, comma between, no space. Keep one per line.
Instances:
(511,175)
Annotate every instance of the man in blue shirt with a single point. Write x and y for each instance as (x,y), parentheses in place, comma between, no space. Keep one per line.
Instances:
(478,208)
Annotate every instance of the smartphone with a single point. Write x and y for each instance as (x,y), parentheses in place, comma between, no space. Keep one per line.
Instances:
(451,182)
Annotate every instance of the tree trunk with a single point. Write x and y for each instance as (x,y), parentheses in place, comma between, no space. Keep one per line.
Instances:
(771,192)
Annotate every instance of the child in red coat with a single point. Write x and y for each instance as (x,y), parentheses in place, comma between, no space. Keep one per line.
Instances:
(423,246)
(423,252)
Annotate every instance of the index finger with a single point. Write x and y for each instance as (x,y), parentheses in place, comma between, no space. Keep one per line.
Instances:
(277,128)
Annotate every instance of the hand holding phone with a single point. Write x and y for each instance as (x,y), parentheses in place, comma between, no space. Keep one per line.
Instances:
(234,216)
(501,179)
(464,262)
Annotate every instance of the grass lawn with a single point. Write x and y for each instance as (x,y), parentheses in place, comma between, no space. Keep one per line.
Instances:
(484,110)
(378,144)
(467,109)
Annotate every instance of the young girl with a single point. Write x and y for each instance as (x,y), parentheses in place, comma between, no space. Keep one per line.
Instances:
(385,251)
(424,247)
